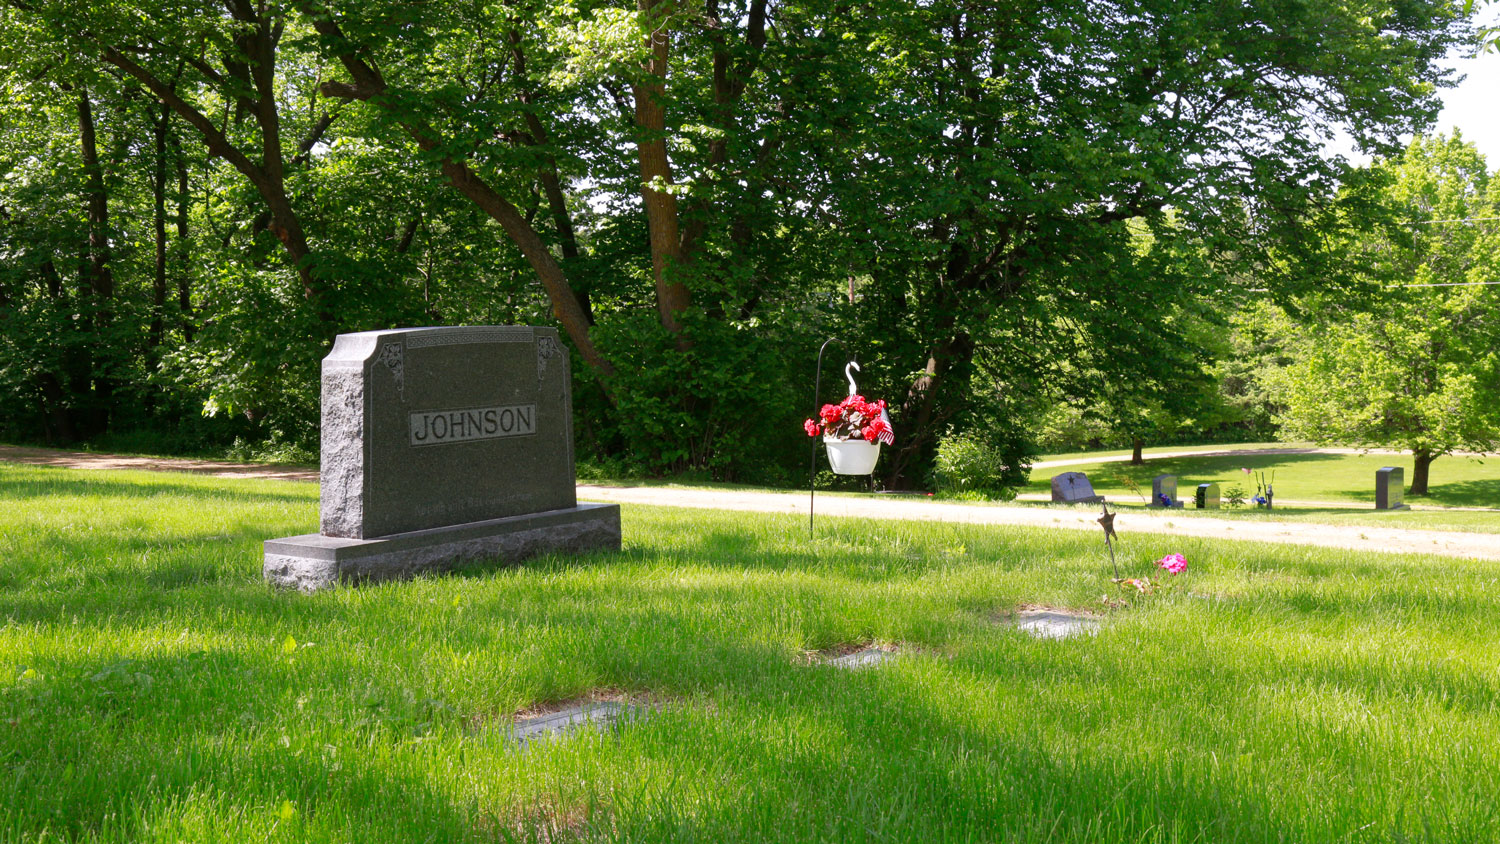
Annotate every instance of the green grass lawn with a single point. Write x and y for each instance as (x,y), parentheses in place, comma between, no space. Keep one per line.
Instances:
(153,689)
(1102,453)
(1454,482)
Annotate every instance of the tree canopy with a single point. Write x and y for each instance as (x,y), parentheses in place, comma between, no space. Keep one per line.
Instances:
(1417,366)
(695,193)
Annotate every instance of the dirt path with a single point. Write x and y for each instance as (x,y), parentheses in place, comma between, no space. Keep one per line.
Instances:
(1361,538)
(1447,543)
(217,468)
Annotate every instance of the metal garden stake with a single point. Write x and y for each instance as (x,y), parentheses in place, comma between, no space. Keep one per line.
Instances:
(812,466)
(1107,521)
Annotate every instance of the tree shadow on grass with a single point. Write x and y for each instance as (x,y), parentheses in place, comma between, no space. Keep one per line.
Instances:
(883,755)
(833,756)
(119,748)
(1485,493)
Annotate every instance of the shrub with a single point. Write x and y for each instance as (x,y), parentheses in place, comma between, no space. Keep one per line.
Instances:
(967,463)
(1234,496)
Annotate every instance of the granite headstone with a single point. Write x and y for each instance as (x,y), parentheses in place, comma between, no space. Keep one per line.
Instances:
(1207,496)
(440,446)
(1164,491)
(1073,488)
(1390,488)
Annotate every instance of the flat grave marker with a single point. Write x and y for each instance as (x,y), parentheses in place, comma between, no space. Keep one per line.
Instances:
(860,660)
(602,716)
(1055,624)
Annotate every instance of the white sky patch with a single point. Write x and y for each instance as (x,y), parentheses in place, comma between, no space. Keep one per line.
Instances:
(1474,106)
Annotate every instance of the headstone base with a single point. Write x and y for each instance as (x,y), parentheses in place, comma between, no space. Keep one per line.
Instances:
(313,561)
(1089,499)
(1173,505)
(1395,507)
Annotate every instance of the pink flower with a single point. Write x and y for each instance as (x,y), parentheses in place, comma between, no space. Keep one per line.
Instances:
(831,413)
(1245,469)
(870,434)
(811,427)
(1174,563)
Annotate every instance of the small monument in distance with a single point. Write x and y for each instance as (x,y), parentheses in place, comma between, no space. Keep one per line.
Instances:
(1207,496)
(442,446)
(1390,488)
(1074,488)
(1164,491)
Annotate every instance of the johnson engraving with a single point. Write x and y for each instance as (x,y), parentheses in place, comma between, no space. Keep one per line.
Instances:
(434,427)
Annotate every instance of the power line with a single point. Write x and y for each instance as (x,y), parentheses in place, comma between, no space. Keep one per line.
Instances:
(1448,284)
(1455,220)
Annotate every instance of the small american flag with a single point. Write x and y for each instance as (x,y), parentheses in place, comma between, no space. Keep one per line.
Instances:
(887,435)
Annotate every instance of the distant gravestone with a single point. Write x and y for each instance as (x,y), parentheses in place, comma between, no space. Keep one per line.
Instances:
(441,446)
(1164,491)
(1207,497)
(1390,488)
(1073,488)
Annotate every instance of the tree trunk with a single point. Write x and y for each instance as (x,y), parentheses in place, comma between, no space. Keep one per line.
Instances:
(928,406)
(255,94)
(548,175)
(1421,463)
(100,280)
(183,247)
(1136,458)
(672,296)
(368,84)
(59,425)
(159,223)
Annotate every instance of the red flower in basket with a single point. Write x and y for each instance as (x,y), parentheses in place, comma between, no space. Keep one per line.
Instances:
(852,418)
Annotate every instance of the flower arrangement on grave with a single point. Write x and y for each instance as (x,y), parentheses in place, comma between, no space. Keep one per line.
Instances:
(853,418)
(1173,564)
(1265,494)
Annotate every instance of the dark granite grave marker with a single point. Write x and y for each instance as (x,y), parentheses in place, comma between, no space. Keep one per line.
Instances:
(1390,488)
(440,446)
(1207,497)
(1073,488)
(1164,491)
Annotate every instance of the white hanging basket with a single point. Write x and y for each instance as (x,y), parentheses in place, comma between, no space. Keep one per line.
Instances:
(851,457)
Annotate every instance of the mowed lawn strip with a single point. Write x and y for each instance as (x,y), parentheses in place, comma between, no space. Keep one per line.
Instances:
(1148,453)
(153,689)
(1454,482)
(1465,521)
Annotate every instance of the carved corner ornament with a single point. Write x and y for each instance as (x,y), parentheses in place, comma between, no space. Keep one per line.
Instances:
(546,349)
(395,360)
